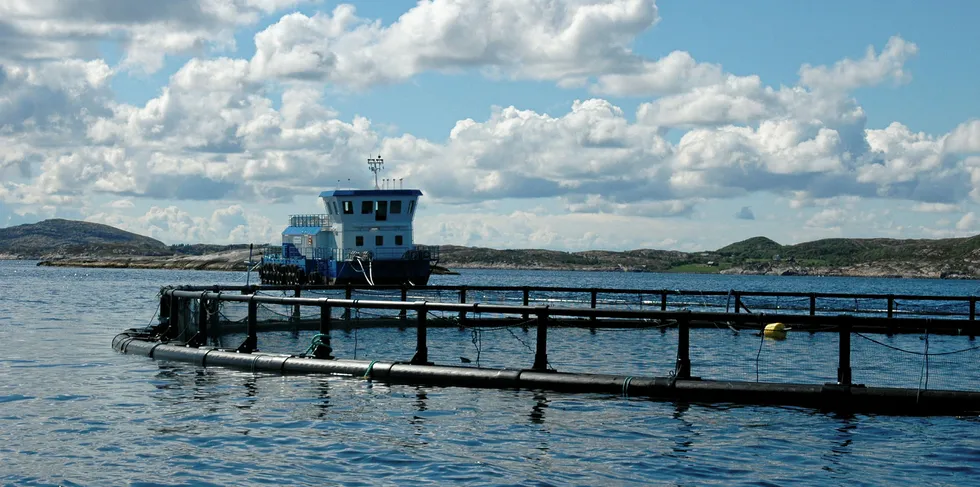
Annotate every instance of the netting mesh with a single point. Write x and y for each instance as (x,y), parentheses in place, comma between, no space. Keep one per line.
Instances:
(916,361)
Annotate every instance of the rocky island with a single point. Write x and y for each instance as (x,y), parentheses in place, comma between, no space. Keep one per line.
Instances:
(83,244)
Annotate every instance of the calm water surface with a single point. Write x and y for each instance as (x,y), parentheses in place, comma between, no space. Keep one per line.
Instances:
(74,412)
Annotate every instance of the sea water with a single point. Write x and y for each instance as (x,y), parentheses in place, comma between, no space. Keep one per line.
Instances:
(75,412)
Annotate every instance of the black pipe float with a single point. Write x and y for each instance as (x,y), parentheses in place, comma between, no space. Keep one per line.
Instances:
(827,397)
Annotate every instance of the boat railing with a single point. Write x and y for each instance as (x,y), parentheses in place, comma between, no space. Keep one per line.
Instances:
(321,221)
(418,252)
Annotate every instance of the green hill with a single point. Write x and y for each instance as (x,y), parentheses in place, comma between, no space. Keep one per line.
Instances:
(753,248)
(71,237)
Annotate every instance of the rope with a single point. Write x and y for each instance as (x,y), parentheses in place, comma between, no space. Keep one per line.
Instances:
(914,352)
(316,341)
(367,373)
(925,369)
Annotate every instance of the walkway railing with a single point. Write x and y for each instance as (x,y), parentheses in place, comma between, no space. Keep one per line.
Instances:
(731,301)
(191,315)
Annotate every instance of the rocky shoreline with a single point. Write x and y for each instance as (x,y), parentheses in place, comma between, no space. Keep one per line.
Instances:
(224,261)
(893,270)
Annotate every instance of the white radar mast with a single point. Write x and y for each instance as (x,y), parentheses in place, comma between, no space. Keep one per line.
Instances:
(376,164)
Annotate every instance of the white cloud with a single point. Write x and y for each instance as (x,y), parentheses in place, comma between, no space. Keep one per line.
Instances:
(172,225)
(675,73)
(532,39)
(965,138)
(848,74)
(46,29)
(935,208)
(967,223)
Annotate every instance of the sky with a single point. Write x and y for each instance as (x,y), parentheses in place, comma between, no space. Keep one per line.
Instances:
(558,124)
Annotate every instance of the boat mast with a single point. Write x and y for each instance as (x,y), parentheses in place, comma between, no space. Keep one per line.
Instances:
(375,164)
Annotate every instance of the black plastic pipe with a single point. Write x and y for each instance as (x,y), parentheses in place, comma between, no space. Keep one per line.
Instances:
(834,397)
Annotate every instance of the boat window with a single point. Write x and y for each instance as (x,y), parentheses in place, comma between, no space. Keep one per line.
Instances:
(379,240)
(333,204)
(329,209)
(348,207)
(381,211)
(359,240)
(411,207)
(396,206)
(367,207)
(398,239)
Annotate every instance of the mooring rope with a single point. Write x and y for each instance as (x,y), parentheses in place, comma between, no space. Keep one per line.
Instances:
(316,341)
(370,367)
(925,369)
(762,340)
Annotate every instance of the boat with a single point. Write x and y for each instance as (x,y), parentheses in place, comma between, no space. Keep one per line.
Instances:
(365,237)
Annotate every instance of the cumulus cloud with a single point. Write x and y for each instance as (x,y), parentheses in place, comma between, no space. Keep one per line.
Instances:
(965,138)
(874,68)
(533,39)
(40,30)
(172,225)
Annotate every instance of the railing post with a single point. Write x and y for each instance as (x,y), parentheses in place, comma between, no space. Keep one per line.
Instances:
(164,306)
(421,347)
(527,299)
(347,295)
(251,329)
(973,316)
(683,368)
(174,330)
(891,306)
(202,323)
(813,305)
(296,314)
(462,300)
(323,350)
(844,361)
(403,313)
(663,300)
(738,302)
(592,303)
(541,345)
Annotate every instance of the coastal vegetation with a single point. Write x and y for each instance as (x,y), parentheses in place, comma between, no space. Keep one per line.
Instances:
(69,242)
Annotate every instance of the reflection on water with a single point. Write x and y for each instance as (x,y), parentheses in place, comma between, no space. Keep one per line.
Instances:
(686,431)
(96,417)
(537,411)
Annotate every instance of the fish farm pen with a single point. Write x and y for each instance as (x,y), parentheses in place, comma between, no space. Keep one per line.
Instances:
(891,354)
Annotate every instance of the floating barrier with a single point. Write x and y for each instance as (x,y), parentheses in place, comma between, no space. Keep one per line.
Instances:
(189,318)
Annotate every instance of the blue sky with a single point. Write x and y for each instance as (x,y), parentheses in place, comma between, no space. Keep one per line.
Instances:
(570,125)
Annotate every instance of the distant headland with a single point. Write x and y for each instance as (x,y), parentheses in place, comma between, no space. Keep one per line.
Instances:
(59,242)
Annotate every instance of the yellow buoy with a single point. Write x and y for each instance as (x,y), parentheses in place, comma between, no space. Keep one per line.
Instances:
(775,331)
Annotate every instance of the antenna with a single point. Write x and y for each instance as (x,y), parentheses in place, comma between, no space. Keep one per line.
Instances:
(375,165)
